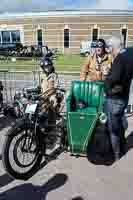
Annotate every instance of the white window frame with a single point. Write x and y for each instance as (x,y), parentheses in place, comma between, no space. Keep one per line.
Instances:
(36,30)
(14,28)
(95,27)
(124,27)
(66,27)
(0,37)
(10,37)
(69,38)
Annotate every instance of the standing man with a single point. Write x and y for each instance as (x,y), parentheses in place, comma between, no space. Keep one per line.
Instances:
(97,65)
(117,87)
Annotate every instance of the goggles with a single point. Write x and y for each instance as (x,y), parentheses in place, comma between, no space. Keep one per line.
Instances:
(99,45)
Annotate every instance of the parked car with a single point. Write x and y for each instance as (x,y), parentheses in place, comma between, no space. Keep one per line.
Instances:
(86,47)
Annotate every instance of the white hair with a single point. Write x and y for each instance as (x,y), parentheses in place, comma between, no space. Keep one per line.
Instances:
(115,42)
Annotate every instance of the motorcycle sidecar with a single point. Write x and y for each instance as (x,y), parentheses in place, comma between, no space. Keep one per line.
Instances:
(84,103)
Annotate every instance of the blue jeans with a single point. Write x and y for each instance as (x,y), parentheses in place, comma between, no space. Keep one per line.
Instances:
(114,108)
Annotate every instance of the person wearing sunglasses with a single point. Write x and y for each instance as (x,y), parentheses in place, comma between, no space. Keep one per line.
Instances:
(97,66)
(117,90)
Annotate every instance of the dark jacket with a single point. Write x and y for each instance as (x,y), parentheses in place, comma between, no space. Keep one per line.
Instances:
(117,83)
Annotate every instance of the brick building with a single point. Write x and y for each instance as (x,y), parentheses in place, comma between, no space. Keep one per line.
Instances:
(65,29)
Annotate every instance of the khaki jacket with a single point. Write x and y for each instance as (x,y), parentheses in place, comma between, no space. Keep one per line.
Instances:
(49,82)
(90,70)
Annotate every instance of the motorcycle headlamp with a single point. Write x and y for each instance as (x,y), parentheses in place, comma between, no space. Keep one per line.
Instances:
(46,63)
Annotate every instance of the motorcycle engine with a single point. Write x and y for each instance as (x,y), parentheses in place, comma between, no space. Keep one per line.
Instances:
(53,131)
(53,138)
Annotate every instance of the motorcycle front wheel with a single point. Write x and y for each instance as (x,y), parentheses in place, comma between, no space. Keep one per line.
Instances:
(21,153)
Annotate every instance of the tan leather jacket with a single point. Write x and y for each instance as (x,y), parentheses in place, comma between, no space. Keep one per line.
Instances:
(91,70)
(49,82)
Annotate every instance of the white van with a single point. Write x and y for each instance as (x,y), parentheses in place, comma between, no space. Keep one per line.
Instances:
(87,47)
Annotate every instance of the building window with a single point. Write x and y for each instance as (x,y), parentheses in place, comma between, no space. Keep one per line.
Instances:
(9,37)
(15,36)
(66,38)
(39,37)
(124,36)
(94,34)
(6,37)
(0,38)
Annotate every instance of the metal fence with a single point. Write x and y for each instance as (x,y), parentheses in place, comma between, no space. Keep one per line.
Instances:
(17,80)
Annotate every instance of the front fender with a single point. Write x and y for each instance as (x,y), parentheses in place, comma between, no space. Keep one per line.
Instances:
(18,125)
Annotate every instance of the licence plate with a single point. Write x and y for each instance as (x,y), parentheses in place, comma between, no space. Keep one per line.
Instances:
(31,108)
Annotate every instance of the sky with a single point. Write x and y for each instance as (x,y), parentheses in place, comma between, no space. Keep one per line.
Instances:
(44,5)
(130,4)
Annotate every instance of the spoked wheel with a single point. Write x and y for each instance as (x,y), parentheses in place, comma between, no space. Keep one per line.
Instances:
(21,153)
(25,147)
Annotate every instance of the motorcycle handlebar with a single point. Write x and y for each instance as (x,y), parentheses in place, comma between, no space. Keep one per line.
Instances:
(54,89)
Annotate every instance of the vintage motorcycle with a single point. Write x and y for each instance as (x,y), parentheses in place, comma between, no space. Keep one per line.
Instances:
(78,130)
(21,99)
(31,135)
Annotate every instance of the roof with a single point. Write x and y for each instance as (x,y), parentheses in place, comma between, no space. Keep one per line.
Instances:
(58,13)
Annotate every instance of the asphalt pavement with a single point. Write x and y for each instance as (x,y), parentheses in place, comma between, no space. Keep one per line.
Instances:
(71,178)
